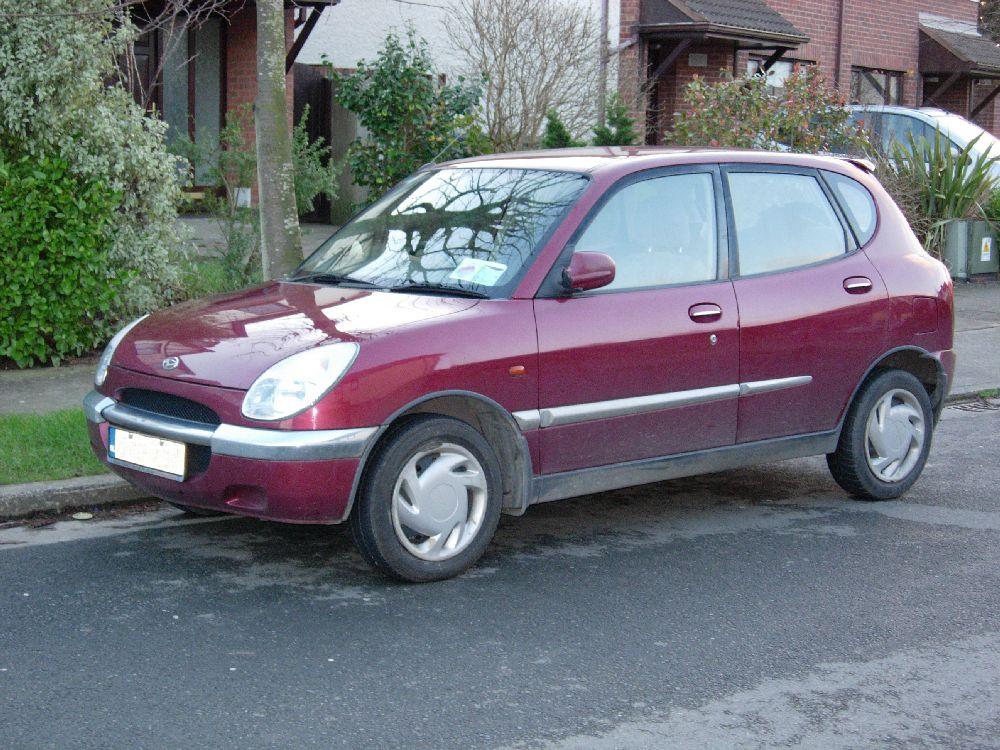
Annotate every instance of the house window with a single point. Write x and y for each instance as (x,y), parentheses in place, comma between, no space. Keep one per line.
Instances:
(778,73)
(180,77)
(870,86)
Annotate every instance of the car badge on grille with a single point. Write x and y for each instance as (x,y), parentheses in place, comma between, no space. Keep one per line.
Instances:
(170,363)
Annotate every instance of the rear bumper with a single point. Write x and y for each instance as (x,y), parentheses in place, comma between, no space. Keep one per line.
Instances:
(946,374)
(296,476)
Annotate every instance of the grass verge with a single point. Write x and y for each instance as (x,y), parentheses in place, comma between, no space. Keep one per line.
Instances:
(39,447)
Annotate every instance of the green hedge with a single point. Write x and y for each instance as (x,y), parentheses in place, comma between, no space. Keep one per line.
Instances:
(55,283)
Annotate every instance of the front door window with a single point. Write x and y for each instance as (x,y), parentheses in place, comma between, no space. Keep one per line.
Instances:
(659,232)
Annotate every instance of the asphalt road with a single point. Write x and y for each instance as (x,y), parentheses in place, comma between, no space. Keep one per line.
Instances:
(758,608)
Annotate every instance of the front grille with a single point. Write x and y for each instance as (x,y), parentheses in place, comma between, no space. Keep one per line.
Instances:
(168,405)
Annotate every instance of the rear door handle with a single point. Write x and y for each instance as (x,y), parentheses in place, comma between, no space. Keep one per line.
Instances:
(857,284)
(704,312)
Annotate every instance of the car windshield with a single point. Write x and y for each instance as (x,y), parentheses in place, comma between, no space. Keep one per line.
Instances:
(470,229)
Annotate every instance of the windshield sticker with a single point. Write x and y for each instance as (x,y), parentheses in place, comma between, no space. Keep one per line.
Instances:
(476,271)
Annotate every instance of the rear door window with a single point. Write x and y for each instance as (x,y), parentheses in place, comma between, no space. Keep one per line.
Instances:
(782,220)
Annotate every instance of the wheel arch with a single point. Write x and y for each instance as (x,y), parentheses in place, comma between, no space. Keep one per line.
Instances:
(483,414)
(915,360)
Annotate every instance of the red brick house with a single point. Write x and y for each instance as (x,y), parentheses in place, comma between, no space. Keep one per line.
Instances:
(910,52)
(199,79)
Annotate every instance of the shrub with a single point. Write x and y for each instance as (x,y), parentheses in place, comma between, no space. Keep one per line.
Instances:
(992,209)
(410,118)
(229,165)
(556,134)
(55,231)
(315,169)
(620,128)
(59,96)
(805,115)
(950,183)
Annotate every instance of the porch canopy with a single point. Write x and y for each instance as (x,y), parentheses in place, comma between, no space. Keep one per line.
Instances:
(739,24)
(954,51)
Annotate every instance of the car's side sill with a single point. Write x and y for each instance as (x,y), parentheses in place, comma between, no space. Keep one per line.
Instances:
(566,484)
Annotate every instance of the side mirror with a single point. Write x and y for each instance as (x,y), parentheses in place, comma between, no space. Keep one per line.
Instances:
(588,271)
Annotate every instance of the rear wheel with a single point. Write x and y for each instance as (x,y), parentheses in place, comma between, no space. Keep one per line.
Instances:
(430,502)
(885,439)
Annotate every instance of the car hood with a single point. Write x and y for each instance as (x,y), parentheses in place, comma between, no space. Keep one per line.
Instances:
(230,340)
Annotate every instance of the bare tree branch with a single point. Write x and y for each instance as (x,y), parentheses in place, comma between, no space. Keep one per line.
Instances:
(533,56)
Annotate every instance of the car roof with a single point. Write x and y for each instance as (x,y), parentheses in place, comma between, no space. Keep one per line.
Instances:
(927,114)
(625,159)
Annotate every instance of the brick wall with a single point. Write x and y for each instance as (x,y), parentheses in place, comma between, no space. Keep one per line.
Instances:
(241,63)
(874,35)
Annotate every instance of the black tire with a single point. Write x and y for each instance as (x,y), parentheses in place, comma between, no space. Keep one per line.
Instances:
(371,518)
(849,463)
(195,511)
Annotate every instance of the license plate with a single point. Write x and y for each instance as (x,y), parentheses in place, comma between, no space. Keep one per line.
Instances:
(155,455)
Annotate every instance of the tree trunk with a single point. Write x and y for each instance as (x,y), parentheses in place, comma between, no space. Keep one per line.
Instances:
(281,241)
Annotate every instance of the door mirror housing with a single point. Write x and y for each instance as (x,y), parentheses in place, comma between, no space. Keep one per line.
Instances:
(588,271)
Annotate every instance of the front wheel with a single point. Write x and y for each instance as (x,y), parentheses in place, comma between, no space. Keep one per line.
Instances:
(430,502)
(885,439)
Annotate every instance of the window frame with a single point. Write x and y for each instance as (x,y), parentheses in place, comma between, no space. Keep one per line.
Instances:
(552,286)
(850,241)
(889,74)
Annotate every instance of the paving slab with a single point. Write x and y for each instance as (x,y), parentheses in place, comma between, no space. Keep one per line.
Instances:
(977,305)
(45,389)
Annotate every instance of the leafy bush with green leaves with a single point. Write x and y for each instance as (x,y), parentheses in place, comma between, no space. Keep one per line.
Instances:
(55,279)
(805,115)
(59,95)
(620,127)
(231,164)
(315,169)
(410,116)
(950,183)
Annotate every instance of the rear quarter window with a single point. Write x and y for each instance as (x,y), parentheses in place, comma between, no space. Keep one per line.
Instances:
(858,205)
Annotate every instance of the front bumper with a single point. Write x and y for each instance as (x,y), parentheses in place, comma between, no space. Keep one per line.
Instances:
(297,476)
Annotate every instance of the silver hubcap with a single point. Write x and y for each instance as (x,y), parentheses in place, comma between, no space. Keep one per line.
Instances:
(894,436)
(439,502)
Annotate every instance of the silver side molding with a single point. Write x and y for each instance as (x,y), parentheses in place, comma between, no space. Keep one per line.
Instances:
(556,416)
(529,419)
(561,415)
(763,386)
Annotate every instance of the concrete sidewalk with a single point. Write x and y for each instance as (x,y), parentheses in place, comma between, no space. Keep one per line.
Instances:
(977,343)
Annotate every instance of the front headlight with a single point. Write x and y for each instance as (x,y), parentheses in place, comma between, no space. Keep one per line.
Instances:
(298,382)
(109,351)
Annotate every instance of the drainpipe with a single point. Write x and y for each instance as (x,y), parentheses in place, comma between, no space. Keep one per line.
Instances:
(602,76)
(838,58)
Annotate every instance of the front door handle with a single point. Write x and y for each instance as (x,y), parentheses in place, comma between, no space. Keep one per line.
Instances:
(704,312)
(857,285)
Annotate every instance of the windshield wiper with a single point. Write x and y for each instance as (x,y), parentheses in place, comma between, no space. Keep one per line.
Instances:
(333,278)
(438,289)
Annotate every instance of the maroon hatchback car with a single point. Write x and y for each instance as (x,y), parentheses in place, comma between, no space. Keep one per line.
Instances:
(509,330)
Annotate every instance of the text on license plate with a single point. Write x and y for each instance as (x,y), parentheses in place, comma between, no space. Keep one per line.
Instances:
(147,452)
